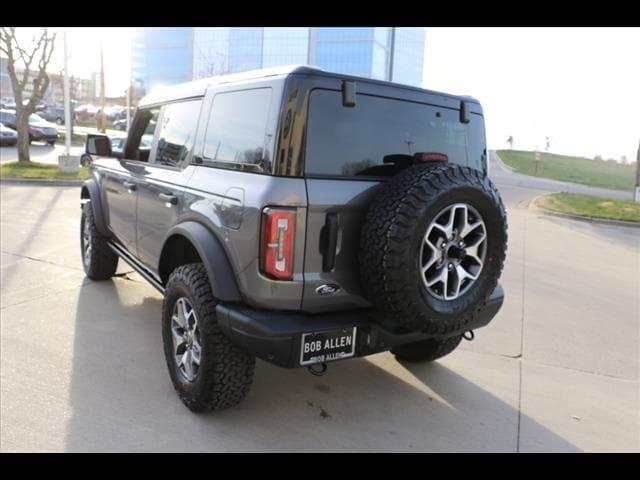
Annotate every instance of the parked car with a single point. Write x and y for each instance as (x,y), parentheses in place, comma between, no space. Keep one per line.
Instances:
(8,118)
(7,102)
(301,217)
(85,113)
(39,128)
(115,112)
(120,124)
(53,114)
(8,136)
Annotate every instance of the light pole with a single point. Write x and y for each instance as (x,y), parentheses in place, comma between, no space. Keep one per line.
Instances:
(128,105)
(637,196)
(67,100)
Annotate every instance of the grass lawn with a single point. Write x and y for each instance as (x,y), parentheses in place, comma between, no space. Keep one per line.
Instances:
(40,171)
(597,173)
(589,206)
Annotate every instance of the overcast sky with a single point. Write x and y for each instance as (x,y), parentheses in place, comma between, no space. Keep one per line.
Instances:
(579,86)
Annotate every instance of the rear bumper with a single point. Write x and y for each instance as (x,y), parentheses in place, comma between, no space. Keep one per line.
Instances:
(276,336)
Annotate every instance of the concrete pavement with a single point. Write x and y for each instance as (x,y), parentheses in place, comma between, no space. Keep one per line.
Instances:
(82,368)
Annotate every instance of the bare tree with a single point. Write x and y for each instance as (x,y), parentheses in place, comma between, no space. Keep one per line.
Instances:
(547,143)
(34,59)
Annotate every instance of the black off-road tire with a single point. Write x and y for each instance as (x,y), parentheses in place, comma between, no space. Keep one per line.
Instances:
(103,262)
(392,237)
(226,371)
(426,350)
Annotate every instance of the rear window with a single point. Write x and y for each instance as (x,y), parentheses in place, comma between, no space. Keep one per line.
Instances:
(354,141)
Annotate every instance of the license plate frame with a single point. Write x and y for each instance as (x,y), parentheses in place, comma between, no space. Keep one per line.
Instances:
(334,345)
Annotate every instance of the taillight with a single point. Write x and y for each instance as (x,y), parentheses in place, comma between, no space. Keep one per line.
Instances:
(276,242)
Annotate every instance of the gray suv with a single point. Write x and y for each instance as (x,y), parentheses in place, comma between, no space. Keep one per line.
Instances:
(300,217)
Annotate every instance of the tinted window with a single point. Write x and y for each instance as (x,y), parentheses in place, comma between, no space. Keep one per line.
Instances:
(7,117)
(177,132)
(236,131)
(355,140)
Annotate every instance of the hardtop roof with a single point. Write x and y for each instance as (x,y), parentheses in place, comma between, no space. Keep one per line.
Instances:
(197,88)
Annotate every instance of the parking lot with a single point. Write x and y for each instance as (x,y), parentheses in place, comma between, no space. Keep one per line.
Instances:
(82,367)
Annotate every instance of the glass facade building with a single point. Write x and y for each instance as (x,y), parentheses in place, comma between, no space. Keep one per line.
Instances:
(174,55)
(161,56)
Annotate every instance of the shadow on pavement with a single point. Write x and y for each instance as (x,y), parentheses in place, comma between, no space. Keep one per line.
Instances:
(122,398)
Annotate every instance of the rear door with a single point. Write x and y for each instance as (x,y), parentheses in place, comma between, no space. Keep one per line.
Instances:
(162,182)
(349,151)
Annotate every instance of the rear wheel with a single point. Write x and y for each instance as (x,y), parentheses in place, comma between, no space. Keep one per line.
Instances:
(426,350)
(208,371)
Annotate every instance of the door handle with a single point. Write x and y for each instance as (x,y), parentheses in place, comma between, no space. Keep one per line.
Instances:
(129,185)
(169,197)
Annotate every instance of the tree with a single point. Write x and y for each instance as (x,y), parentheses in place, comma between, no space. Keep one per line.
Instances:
(40,51)
(510,142)
(547,143)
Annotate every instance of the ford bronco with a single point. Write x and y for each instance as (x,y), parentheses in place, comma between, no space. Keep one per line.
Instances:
(300,217)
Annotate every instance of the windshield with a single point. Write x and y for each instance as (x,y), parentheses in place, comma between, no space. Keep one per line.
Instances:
(378,133)
(34,118)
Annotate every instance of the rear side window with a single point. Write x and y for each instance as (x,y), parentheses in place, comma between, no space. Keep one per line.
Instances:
(236,131)
(352,141)
(177,130)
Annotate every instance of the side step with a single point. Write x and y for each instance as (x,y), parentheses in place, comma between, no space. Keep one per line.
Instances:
(137,266)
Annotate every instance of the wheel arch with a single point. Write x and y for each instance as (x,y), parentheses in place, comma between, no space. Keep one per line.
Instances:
(190,242)
(91,191)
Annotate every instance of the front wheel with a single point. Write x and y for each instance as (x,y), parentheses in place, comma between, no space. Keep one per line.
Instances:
(98,260)
(426,350)
(207,370)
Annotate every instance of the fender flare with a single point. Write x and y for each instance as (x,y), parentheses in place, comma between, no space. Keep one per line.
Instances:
(221,275)
(91,190)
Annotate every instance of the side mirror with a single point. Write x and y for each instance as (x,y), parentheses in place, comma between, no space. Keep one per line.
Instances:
(98,145)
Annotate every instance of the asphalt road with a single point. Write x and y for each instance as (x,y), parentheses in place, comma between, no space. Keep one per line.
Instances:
(82,368)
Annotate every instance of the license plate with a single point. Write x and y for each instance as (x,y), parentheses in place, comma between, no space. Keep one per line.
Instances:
(326,346)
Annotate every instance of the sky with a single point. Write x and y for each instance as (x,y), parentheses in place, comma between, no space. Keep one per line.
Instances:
(579,86)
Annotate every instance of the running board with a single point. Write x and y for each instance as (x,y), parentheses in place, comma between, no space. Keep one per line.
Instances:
(137,266)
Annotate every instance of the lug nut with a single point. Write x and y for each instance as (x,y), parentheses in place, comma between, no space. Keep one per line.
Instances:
(451,266)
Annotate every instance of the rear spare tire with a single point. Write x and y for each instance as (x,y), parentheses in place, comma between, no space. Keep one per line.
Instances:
(432,248)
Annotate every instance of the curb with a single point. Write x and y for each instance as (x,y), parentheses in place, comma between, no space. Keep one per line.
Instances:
(41,182)
(601,221)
